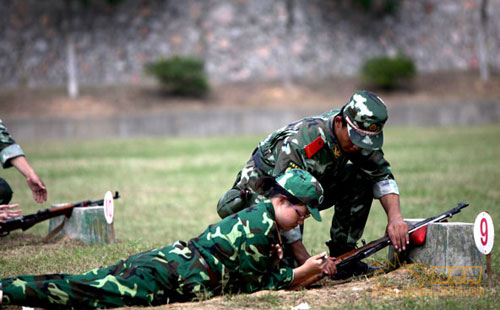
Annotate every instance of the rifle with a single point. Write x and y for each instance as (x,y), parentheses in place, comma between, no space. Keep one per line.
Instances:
(377,245)
(25,222)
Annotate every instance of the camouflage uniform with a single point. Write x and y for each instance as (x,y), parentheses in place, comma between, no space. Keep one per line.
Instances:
(233,255)
(8,150)
(350,180)
(236,251)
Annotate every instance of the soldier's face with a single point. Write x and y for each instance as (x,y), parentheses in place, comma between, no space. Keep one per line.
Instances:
(286,216)
(343,137)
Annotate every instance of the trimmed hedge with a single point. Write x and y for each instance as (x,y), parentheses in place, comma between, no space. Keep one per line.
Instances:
(184,76)
(388,73)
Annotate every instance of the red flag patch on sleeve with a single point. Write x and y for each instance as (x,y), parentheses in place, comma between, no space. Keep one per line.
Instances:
(313,147)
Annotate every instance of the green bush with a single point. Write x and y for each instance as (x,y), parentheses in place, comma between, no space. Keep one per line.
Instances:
(184,76)
(379,8)
(388,73)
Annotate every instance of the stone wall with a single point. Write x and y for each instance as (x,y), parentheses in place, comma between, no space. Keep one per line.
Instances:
(239,40)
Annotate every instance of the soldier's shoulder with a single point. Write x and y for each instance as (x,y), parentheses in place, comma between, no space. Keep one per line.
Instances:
(314,125)
(260,208)
(260,214)
(329,114)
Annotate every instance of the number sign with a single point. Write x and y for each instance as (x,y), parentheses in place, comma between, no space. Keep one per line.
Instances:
(484,233)
(108,207)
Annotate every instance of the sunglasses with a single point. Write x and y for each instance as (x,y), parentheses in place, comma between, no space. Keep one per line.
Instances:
(301,216)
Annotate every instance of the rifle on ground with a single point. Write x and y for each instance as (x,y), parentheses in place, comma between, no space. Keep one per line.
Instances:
(377,245)
(25,222)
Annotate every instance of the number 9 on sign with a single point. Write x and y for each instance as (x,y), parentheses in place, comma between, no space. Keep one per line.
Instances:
(484,233)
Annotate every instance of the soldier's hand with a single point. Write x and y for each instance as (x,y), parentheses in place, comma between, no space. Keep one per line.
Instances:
(315,264)
(7,213)
(330,267)
(37,187)
(276,253)
(397,230)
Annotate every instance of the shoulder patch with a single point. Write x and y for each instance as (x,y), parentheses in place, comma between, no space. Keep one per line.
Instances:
(291,165)
(313,147)
(336,151)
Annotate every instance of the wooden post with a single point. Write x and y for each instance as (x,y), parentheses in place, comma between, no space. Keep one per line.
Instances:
(489,271)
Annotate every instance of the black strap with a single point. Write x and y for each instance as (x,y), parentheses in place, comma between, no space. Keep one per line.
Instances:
(257,161)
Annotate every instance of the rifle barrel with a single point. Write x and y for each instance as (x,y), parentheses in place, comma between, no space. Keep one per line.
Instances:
(376,245)
(442,216)
(25,222)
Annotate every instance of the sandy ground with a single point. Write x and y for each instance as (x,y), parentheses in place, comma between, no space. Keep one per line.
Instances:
(327,94)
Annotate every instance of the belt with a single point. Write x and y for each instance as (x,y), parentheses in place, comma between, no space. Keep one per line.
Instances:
(214,282)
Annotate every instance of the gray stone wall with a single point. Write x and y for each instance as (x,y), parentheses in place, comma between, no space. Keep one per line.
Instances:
(239,40)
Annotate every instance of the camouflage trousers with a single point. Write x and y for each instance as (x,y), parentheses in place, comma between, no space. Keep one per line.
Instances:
(161,276)
(351,193)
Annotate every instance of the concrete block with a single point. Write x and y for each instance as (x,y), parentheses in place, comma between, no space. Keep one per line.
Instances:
(86,224)
(449,248)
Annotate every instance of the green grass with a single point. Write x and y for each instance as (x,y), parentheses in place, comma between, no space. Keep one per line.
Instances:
(170,188)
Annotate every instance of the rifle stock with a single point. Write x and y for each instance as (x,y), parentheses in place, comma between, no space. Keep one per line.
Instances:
(375,246)
(25,222)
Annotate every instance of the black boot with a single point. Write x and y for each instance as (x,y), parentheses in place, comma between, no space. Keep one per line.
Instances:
(357,268)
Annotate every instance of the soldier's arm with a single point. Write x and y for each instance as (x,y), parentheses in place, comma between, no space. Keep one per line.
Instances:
(34,182)
(256,268)
(397,229)
(386,190)
(9,149)
(378,169)
(314,265)
(287,156)
(11,154)
(299,251)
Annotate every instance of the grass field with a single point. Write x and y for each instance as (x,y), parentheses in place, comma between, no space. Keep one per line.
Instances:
(170,188)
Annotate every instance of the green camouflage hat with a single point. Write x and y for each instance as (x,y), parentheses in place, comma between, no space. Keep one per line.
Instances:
(365,115)
(303,186)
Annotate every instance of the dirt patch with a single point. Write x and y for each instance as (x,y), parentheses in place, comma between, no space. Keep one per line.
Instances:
(403,282)
(327,94)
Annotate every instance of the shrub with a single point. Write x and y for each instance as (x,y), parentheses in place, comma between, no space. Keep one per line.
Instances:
(379,8)
(184,76)
(388,73)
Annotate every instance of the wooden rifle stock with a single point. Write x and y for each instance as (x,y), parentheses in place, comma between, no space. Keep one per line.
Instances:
(25,222)
(375,246)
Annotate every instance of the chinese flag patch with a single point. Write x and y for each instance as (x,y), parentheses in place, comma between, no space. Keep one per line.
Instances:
(313,147)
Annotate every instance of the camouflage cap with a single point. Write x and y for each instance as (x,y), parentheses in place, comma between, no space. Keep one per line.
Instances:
(365,114)
(303,186)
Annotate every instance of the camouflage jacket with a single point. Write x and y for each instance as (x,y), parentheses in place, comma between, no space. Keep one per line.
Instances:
(310,144)
(238,250)
(8,147)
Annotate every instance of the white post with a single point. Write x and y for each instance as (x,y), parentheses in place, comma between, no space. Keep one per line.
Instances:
(71,69)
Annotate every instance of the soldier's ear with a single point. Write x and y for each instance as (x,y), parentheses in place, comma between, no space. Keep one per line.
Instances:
(283,200)
(280,201)
(337,122)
